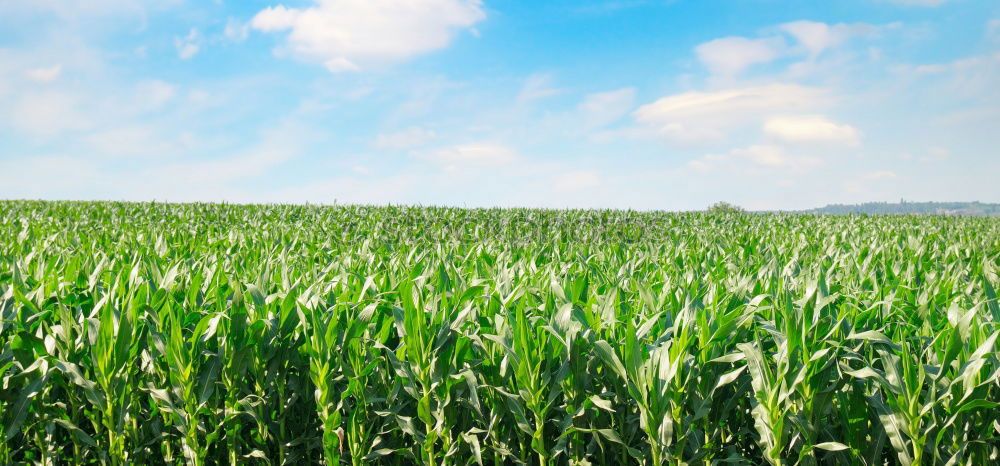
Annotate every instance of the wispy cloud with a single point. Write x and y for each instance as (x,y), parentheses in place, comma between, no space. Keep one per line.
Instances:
(602,108)
(235,30)
(729,56)
(188,46)
(993,29)
(537,86)
(44,75)
(404,139)
(709,115)
(578,180)
(759,157)
(470,156)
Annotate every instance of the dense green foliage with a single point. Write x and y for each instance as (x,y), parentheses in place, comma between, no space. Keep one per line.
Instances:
(906,207)
(205,334)
(725,208)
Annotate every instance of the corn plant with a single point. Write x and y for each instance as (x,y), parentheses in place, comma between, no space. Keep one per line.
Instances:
(148,333)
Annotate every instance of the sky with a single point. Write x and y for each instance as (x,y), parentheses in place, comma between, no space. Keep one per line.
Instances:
(628,104)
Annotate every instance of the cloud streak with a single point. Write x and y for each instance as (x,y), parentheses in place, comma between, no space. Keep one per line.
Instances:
(710,115)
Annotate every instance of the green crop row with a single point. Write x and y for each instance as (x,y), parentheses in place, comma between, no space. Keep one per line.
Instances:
(223,334)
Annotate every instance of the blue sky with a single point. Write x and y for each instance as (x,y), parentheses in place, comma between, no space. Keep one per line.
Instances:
(624,104)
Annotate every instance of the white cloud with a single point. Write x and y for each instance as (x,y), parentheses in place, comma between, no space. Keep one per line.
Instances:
(154,94)
(272,19)
(962,64)
(44,75)
(774,156)
(935,154)
(938,153)
(816,37)
(993,29)
(579,180)
(811,128)
(65,178)
(537,86)
(471,156)
(729,56)
(758,157)
(729,101)
(236,30)
(92,101)
(48,113)
(136,140)
(708,163)
(349,35)
(86,10)
(697,116)
(276,146)
(405,139)
(973,80)
(352,189)
(169,171)
(871,184)
(340,64)
(879,175)
(692,133)
(125,139)
(602,108)
(253,164)
(187,46)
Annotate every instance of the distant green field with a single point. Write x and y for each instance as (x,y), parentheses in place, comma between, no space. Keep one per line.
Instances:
(222,334)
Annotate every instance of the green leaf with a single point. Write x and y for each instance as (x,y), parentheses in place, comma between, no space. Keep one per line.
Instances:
(831,446)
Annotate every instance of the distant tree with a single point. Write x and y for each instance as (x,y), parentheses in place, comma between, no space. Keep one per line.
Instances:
(912,208)
(725,208)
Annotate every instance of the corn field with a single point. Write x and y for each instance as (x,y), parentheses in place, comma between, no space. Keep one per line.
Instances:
(223,334)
